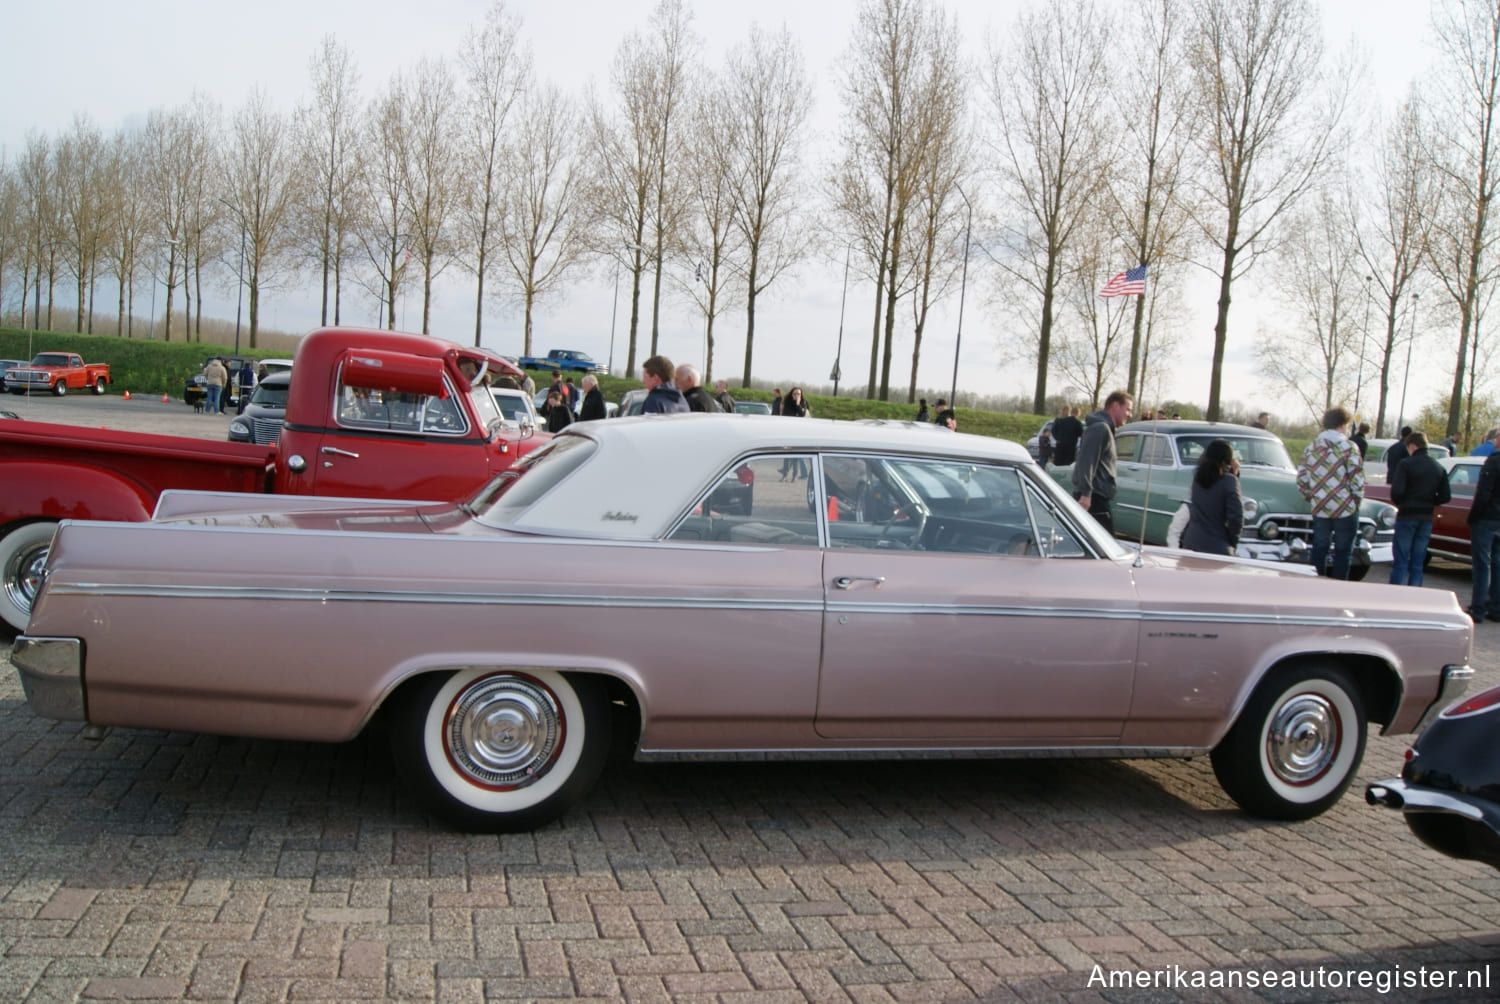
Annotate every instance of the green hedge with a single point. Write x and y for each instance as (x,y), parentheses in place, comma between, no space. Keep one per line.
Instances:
(135,364)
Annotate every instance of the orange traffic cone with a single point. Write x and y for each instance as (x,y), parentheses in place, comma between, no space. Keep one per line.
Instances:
(127,395)
(833,508)
(166,398)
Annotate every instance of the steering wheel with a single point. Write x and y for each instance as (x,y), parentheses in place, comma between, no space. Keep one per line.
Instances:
(911,511)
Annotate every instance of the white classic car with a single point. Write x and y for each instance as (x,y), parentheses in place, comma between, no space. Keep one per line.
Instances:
(919,593)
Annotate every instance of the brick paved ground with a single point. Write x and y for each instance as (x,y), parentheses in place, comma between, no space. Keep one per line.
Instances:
(164,866)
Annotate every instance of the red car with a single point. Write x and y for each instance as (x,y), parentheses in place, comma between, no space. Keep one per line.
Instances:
(1450,527)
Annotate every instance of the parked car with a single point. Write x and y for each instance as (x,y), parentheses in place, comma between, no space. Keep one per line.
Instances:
(631,403)
(1450,521)
(518,409)
(1449,788)
(752,408)
(6,364)
(1155,472)
(940,596)
(1034,444)
(1375,473)
(56,373)
(261,420)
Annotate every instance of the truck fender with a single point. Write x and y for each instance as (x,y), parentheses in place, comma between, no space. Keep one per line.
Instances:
(32,489)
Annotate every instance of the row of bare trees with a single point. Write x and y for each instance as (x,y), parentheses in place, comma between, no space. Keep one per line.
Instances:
(1095,135)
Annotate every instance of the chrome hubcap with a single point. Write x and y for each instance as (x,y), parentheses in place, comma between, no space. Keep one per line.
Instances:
(1303,739)
(23,575)
(504,731)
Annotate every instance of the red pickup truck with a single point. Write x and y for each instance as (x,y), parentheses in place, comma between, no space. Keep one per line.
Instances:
(370,414)
(57,372)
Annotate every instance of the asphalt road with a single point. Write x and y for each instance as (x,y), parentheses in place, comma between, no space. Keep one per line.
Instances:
(164,866)
(142,413)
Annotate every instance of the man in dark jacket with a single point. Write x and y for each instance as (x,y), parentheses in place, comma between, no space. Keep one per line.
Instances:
(1484,538)
(662,396)
(1094,471)
(593,400)
(722,395)
(1395,454)
(1419,485)
(697,398)
(1067,430)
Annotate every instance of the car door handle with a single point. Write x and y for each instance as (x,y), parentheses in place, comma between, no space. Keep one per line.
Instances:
(848,581)
(339,452)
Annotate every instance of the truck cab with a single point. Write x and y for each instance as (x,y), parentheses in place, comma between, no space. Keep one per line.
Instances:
(393,415)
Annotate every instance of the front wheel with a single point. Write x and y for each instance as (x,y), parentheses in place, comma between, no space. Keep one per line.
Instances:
(23,552)
(1296,745)
(60,388)
(501,751)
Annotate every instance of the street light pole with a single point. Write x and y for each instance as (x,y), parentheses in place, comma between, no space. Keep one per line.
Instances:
(613,316)
(1411,337)
(963,288)
(1364,333)
(838,357)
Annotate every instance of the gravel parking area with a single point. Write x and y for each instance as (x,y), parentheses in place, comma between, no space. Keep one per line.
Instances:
(142,413)
(151,865)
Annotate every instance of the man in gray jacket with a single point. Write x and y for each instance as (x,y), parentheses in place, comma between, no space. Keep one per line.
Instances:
(1094,470)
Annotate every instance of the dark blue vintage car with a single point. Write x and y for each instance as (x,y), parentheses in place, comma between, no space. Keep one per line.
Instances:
(1449,789)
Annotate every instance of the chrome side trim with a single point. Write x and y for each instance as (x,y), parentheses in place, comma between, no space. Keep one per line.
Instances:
(51,671)
(1394,793)
(970,752)
(1455,681)
(833,607)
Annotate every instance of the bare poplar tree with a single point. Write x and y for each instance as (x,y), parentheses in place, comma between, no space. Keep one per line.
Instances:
(1053,137)
(942,216)
(1322,280)
(1466,97)
(79,160)
(171,146)
(327,132)
(876,182)
(12,233)
(261,180)
(497,69)
(710,239)
(1155,111)
(202,210)
(1092,334)
(430,171)
(1392,233)
(385,230)
(769,100)
(38,182)
(635,153)
(1269,129)
(544,223)
(127,221)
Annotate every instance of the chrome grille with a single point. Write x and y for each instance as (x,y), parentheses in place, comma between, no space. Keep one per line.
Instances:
(265,430)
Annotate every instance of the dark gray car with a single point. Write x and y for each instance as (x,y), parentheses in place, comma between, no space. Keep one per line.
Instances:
(261,422)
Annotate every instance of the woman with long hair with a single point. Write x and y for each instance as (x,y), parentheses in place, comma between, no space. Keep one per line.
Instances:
(1215,511)
(794,405)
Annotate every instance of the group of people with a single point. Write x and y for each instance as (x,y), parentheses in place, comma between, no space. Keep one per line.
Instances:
(217,378)
(563,402)
(679,389)
(945,416)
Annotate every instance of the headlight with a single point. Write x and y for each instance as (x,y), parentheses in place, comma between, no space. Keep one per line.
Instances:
(1367,531)
(1387,516)
(1252,509)
(1270,530)
(239,427)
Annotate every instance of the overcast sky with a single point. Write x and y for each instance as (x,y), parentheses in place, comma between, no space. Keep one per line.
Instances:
(116,61)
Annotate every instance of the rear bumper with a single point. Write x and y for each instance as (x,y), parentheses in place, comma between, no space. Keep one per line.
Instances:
(51,671)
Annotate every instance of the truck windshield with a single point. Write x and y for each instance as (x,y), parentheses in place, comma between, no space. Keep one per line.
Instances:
(485,407)
(50,359)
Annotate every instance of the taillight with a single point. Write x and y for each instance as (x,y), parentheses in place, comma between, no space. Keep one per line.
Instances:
(1479,703)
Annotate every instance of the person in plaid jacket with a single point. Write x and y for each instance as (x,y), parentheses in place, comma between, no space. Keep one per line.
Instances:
(1332,479)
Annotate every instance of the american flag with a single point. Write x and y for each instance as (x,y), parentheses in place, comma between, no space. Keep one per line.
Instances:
(1131,283)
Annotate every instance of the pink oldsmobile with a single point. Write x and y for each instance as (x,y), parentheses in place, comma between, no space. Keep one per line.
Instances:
(726,586)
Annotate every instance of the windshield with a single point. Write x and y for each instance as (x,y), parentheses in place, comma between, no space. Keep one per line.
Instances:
(50,359)
(484,406)
(514,407)
(511,494)
(1250,451)
(271,395)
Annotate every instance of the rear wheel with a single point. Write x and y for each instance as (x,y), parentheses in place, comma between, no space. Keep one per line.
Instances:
(501,751)
(99,385)
(1296,745)
(23,552)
